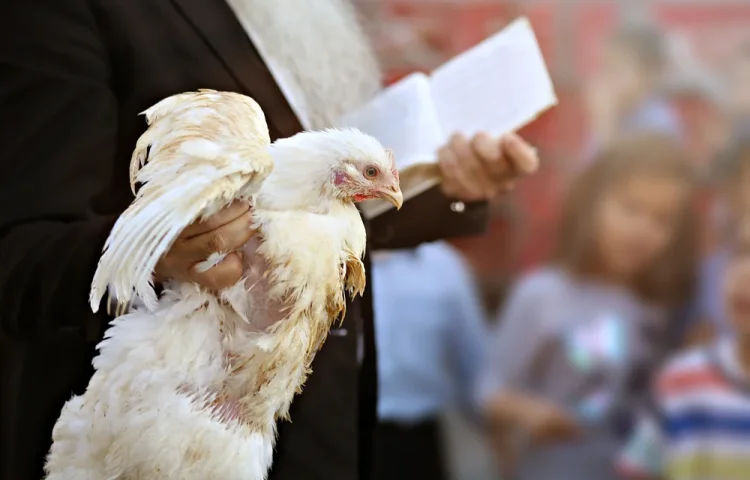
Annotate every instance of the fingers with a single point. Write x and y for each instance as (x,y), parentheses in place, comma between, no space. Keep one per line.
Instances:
(484,166)
(474,166)
(226,238)
(221,276)
(463,170)
(185,254)
(454,178)
(521,156)
(221,218)
(487,148)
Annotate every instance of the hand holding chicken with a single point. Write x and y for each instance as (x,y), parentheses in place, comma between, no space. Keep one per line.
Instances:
(226,231)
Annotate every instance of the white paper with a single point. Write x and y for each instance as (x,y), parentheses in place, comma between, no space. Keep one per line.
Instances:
(496,87)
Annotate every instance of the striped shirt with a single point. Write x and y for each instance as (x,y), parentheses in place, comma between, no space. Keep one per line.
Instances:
(699,427)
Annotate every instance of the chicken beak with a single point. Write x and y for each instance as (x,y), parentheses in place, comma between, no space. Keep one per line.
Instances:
(394,196)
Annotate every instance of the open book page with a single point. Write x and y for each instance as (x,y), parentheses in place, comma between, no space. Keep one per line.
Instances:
(404,119)
(497,87)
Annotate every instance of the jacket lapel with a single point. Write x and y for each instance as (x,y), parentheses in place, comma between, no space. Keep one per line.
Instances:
(217,25)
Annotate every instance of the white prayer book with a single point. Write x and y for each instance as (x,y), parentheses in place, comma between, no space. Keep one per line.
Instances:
(498,86)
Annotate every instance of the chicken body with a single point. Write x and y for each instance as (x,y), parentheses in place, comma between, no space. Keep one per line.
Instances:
(190,386)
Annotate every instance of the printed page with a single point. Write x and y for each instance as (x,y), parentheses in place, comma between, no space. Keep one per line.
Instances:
(496,87)
(404,119)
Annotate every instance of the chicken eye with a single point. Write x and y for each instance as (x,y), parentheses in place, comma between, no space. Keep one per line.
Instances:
(371,172)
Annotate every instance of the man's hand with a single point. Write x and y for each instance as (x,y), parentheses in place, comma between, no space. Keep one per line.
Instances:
(224,232)
(485,166)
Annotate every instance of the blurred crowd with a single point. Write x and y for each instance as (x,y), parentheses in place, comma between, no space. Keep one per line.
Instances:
(626,353)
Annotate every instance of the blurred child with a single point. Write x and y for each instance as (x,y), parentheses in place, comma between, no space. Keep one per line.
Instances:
(698,426)
(572,333)
(733,189)
(624,96)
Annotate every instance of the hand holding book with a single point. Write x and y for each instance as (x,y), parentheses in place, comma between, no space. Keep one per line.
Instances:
(484,166)
(450,125)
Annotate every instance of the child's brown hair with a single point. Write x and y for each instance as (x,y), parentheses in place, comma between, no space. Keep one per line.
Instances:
(669,280)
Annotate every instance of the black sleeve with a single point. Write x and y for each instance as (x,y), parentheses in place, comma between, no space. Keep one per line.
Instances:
(426,218)
(57,146)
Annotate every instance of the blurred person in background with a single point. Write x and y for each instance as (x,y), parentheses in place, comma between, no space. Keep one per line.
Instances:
(74,76)
(732,187)
(696,424)
(431,334)
(574,334)
(624,96)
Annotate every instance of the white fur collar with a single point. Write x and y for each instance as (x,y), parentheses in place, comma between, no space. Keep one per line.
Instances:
(320,45)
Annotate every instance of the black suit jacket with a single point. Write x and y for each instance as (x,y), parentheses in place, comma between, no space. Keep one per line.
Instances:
(74,75)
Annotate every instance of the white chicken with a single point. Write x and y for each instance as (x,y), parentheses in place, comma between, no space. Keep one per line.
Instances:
(189,386)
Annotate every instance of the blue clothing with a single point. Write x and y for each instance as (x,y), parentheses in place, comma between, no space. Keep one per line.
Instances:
(430,330)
